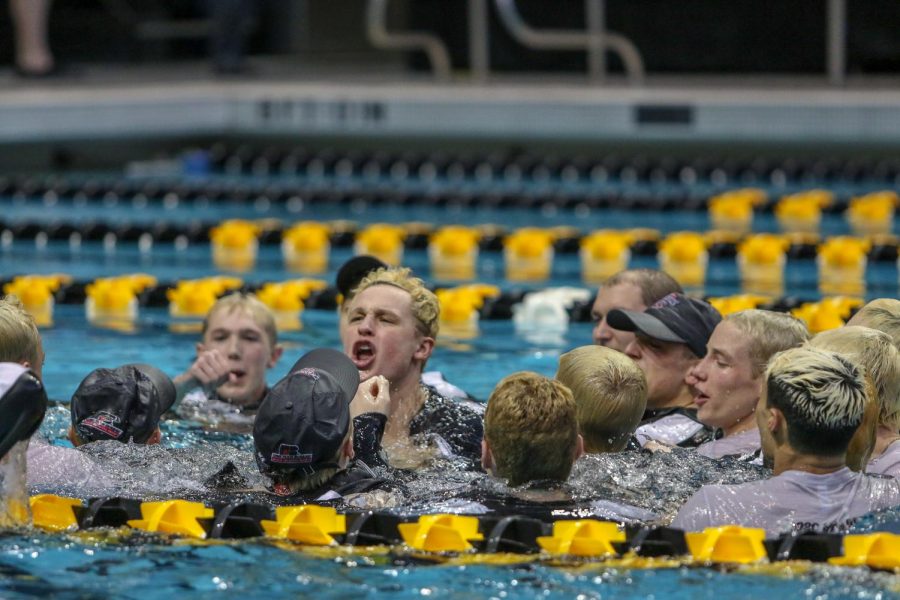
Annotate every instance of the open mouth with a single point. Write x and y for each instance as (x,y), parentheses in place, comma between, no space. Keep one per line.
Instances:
(363,355)
(236,375)
(700,399)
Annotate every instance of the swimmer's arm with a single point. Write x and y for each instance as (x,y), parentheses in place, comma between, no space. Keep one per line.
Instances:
(208,371)
(370,409)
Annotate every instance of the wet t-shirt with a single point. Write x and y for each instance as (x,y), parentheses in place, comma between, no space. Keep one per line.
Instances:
(740,444)
(456,428)
(888,463)
(673,427)
(794,500)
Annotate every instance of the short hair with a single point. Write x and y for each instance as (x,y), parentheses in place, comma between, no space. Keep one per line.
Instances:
(20,340)
(769,332)
(238,301)
(875,352)
(610,393)
(425,306)
(822,396)
(882,314)
(531,426)
(653,283)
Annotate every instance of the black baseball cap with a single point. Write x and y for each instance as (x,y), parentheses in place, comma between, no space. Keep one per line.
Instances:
(304,418)
(23,402)
(673,318)
(354,270)
(121,404)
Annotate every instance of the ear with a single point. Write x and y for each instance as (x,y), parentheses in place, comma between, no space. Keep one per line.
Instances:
(579,448)
(154,438)
(775,421)
(487,459)
(73,437)
(277,351)
(425,348)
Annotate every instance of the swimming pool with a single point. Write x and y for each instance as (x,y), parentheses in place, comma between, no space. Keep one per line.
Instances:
(87,566)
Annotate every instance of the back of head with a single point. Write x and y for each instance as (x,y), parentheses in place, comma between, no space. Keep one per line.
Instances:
(20,340)
(822,396)
(531,427)
(425,306)
(305,419)
(249,304)
(610,393)
(653,283)
(123,404)
(882,314)
(875,352)
(768,332)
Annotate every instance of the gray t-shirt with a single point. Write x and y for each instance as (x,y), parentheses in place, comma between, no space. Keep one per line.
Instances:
(793,500)
(739,444)
(888,463)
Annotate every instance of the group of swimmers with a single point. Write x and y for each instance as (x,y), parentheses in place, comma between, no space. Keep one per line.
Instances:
(665,373)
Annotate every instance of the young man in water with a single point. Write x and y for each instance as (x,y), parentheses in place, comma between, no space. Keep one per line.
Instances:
(670,339)
(813,402)
(389,328)
(634,290)
(727,380)
(227,381)
(123,404)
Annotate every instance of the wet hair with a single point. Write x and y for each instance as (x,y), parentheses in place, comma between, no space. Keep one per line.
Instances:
(425,307)
(769,332)
(20,340)
(653,283)
(249,304)
(875,352)
(531,426)
(882,314)
(610,393)
(822,396)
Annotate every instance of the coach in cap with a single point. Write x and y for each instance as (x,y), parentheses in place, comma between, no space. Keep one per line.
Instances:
(670,338)
(123,404)
(304,430)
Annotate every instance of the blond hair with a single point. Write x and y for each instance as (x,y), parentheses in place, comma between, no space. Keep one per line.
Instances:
(20,340)
(882,314)
(251,305)
(425,307)
(531,427)
(653,283)
(610,393)
(822,395)
(875,352)
(768,332)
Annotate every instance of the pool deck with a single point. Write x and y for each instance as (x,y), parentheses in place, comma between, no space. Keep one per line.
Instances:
(130,101)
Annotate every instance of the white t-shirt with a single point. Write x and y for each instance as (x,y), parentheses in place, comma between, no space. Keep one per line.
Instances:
(739,444)
(671,430)
(794,500)
(888,463)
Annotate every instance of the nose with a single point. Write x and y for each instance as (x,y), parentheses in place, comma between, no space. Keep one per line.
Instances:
(697,372)
(234,347)
(602,333)
(365,325)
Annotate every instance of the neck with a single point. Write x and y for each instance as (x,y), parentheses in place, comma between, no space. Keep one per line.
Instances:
(788,459)
(884,437)
(406,401)
(683,399)
(743,424)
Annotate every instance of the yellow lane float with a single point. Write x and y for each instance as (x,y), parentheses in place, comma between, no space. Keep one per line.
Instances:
(441,533)
(177,517)
(604,253)
(192,298)
(586,537)
(528,254)
(727,545)
(235,243)
(733,210)
(453,252)
(286,299)
(872,213)
(54,513)
(306,247)
(842,265)
(878,550)
(802,211)
(761,259)
(684,256)
(307,524)
(384,241)
(36,293)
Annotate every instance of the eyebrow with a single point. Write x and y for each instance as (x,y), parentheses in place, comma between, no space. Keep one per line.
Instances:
(721,353)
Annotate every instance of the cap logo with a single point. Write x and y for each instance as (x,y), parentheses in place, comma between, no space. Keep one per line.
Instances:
(104,422)
(669,300)
(290,455)
(309,372)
